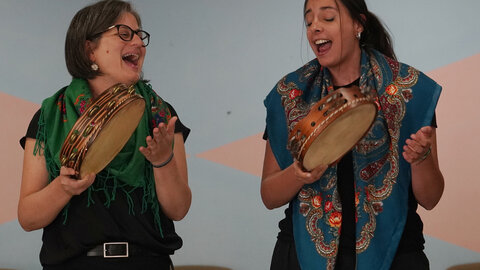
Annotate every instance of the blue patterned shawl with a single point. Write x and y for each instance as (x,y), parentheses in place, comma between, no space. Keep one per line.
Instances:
(406,100)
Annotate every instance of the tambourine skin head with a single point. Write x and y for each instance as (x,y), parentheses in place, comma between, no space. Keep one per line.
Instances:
(100,133)
(332,127)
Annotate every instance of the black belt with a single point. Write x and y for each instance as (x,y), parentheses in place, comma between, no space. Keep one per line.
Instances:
(120,250)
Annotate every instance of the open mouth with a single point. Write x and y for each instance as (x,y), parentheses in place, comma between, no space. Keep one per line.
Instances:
(323,45)
(131,59)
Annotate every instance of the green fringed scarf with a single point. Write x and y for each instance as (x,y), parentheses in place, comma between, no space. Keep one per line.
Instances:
(129,170)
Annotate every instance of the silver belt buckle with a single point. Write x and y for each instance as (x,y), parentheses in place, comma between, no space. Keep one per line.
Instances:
(105,255)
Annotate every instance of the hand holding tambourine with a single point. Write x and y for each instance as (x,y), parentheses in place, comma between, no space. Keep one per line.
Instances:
(71,185)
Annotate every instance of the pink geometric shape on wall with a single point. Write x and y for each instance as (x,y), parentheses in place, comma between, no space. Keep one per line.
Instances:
(15,116)
(456,219)
(245,155)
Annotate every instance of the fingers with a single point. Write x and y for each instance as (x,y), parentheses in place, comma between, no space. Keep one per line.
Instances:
(159,145)
(67,171)
(318,171)
(413,151)
(415,146)
(308,177)
(74,186)
(423,135)
(408,154)
(407,157)
(160,131)
(418,145)
(427,131)
(171,125)
(144,151)
(164,131)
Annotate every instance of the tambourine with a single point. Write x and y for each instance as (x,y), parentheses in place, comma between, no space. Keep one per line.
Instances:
(332,127)
(102,130)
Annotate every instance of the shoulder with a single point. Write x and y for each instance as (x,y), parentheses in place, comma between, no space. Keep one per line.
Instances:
(32,129)
(293,79)
(171,109)
(399,68)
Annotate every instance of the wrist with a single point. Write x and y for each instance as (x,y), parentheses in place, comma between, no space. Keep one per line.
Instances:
(160,165)
(420,160)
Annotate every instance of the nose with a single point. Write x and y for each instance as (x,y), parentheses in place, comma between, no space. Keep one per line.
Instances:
(136,40)
(316,25)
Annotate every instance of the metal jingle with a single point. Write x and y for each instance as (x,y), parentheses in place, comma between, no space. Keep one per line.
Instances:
(93,110)
(131,89)
(73,137)
(117,88)
(88,130)
(72,156)
(111,104)
(63,160)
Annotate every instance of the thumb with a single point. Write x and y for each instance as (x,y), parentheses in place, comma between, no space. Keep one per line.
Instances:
(171,124)
(427,131)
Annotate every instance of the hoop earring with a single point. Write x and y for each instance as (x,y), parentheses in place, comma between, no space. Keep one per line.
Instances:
(94,67)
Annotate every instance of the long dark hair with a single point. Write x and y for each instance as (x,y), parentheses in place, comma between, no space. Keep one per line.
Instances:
(89,21)
(374,35)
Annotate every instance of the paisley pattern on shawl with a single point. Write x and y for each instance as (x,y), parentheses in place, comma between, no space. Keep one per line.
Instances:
(406,99)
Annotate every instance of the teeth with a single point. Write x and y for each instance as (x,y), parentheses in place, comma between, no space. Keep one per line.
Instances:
(132,55)
(321,41)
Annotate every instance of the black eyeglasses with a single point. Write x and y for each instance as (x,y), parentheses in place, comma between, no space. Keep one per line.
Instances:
(126,33)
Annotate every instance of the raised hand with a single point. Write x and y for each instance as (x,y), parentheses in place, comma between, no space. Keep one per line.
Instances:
(418,147)
(159,147)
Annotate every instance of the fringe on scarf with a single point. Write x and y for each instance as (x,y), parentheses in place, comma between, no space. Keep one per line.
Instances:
(101,184)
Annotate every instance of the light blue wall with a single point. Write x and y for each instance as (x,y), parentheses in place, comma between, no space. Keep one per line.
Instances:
(215,60)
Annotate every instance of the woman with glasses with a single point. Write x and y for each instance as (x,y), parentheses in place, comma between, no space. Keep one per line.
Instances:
(122,217)
(360,211)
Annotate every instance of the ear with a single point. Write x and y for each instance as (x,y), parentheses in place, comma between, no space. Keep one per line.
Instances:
(90,50)
(358,25)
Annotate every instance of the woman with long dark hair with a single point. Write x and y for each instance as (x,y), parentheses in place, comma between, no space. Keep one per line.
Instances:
(359,212)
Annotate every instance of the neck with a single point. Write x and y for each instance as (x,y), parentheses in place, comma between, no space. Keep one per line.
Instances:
(347,71)
(97,87)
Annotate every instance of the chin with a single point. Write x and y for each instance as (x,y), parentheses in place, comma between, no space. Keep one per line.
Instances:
(326,61)
(131,80)
(323,62)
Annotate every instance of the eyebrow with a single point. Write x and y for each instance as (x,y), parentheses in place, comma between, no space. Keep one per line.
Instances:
(322,9)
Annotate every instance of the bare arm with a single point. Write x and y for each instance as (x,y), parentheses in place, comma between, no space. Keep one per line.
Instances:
(278,186)
(40,201)
(427,179)
(171,180)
